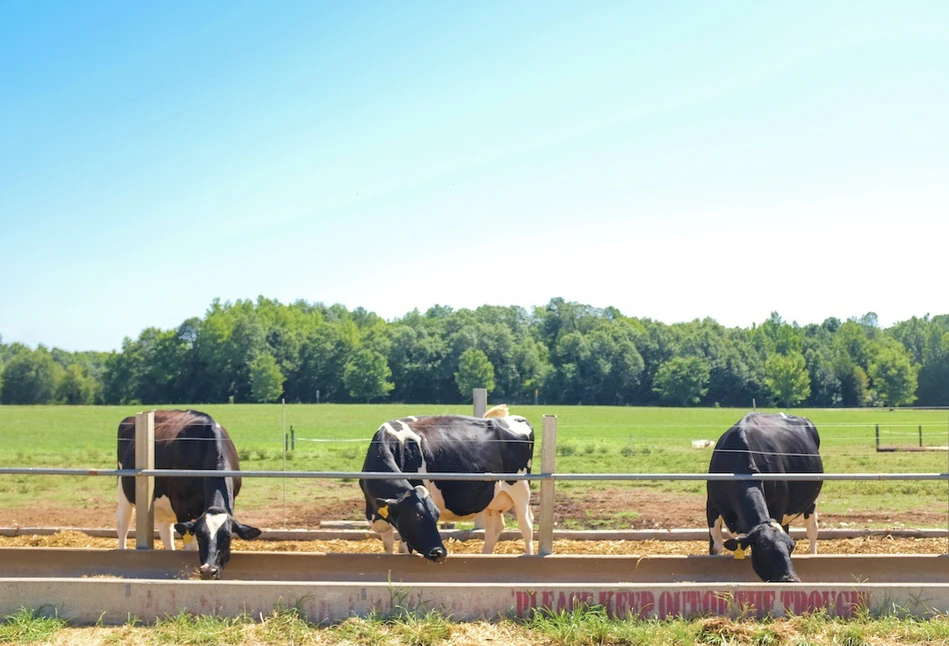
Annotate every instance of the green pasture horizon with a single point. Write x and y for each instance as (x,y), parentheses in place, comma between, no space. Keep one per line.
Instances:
(591,439)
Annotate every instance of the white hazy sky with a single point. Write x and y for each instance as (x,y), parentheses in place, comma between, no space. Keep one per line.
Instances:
(674,160)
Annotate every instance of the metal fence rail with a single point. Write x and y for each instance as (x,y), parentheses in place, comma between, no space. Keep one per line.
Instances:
(468,477)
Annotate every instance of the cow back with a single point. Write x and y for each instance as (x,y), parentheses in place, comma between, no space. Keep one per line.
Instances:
(449,444)
(764,443)
(184,439)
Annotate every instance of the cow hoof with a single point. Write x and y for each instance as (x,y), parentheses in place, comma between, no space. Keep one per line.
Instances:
(209,572)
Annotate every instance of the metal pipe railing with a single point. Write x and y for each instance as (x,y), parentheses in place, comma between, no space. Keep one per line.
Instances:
(468,477)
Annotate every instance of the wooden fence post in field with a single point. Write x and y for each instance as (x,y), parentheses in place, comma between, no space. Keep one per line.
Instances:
(480,398)
(145,485)
(548,464)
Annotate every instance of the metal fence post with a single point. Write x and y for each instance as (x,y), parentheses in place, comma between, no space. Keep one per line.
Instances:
(548,465)
(145,485)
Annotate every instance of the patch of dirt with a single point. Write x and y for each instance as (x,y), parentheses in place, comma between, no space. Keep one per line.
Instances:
(653,509)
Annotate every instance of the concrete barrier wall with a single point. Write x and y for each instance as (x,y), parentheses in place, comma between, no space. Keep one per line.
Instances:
(529,570)
(87,601)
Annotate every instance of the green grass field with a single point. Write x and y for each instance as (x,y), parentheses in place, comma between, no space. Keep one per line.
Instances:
(590,439)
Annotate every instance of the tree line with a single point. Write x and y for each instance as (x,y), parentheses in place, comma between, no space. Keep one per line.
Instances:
(560,353)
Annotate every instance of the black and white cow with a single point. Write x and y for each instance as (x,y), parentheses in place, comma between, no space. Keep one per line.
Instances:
(415,448)
(200,508)
(759,511)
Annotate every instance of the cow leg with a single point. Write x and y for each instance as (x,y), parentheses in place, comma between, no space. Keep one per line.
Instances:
(492,530)
(811,522)
(123,517)
(715,522)
(164,533)
(520,493)
(716,539)
(385,532)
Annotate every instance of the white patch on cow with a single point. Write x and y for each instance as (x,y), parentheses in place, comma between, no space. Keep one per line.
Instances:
(215,522)
(422,492)
(517,425)
(412,418)
(403,434)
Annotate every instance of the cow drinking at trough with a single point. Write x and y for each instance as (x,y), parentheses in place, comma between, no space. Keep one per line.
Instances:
(759,511)
(201,508)
(412,502)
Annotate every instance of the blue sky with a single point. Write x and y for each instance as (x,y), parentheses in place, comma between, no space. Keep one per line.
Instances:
(674,160)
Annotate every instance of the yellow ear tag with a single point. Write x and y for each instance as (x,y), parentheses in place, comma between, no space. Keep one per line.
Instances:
(383,511)
(187,538)
(739,553)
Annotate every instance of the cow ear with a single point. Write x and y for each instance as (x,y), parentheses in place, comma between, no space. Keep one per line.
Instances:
(246,532)
(740,543)
(185,528)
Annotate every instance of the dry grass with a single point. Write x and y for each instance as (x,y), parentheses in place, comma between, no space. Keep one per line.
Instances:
(866,545)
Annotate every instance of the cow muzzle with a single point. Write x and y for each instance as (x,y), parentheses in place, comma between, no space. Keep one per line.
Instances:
(210,572)
(439,554)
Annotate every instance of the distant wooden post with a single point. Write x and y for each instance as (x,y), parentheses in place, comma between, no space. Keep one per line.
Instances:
(920,436)
(548,465)
(480,397)
(878,437)
(145,485)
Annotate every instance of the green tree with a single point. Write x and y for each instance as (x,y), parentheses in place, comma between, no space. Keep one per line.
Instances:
(77,387)
(474,371)
(266,378)
(787,379)
(30,377)
(893,377)
(682,381)
(366,376)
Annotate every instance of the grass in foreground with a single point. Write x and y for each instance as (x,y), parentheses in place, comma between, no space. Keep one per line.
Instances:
(588,627)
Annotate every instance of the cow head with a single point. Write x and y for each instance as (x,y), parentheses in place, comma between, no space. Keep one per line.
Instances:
(415,517)
(771,549)
(213,530)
